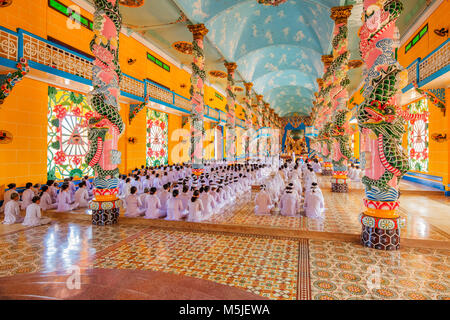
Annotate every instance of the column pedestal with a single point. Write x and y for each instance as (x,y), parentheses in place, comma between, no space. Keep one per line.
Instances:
(381,225)
(339,182)
(327,169)
(105,207)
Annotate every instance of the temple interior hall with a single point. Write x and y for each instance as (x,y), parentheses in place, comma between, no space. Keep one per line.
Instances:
(224,150)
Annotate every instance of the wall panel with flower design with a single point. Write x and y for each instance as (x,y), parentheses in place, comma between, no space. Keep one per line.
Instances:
(418,136)
(67,142)
(157,138)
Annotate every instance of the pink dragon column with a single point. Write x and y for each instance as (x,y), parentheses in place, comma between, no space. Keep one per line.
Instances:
(230,146)
(198,78)
(259,117)
(381,126)
(106,127)
(248,118)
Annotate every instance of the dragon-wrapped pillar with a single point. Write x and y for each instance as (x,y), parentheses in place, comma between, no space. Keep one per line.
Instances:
(198,78)
(381,127)
(106,127)
(341,152)
(248,118)
(230,146)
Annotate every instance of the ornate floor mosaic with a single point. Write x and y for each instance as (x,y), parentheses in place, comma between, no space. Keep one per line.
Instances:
(57,246)
(341,216)
(348,271)
(267,267)
(275,268)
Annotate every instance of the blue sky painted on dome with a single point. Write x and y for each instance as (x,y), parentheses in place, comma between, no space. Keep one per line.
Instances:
(279,49)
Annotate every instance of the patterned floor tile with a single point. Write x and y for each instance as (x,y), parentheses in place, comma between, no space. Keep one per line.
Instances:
(267,267)
(348,271)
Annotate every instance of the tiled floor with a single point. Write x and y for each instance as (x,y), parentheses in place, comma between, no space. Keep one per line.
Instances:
(347,271)
(268,266)
(275,268)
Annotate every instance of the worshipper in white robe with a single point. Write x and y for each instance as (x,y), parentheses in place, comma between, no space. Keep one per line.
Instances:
(89,186)
(221,198)
(133,204)
(64,199)
(316,166)
(314,204)
(157,183)
(81,196)
(195,208)
(7,195)
(357,174)
(297,186)
(12,210)
(72,189)
(263,203)
(288,204)
(33,215)
(185,197)
(310,178)
(164,195)
(351,171)
(174,207)
(153,206)
(27,196)
(53,191)
(46,202)
(142,198)
(207,201)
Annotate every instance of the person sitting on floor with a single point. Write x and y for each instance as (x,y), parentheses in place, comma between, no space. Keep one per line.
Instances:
(33,217)
(153,205)
(7,195)
(288,204)
(195,208)
(82,196)
(263,203)
(174,207)
(164,195)
(314,204)
(27,196)
(46,202)
(134,204)
(12,210)
(64,199)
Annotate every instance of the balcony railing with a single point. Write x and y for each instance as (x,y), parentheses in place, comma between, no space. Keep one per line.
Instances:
(53,58)
(435,64)
(8,44)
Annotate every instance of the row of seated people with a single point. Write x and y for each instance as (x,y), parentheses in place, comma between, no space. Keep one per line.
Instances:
(286,193)
(194,198)
(232,180)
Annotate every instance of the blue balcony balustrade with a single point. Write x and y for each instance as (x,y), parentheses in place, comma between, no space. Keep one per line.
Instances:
(50,57)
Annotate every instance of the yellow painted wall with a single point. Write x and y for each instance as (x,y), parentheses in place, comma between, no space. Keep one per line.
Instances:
(430,41)
(24,114)
(174,123)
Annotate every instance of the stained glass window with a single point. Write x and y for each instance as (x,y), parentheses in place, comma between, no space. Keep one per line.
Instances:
(67,142)
(418,136)
(157,138)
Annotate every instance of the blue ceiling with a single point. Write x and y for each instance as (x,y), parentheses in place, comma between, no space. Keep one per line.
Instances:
(279,48)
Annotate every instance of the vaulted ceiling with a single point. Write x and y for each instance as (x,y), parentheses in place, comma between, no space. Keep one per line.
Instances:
(277,48)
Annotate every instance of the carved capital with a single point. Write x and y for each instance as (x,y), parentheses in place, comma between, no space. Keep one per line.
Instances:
(327,59)
(352,64)
(248,87)
(320,82)
(231,66)
(198,30)
(341,14)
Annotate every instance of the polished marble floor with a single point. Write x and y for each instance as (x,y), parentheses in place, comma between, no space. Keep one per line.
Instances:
(274,267)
